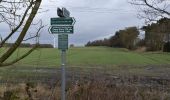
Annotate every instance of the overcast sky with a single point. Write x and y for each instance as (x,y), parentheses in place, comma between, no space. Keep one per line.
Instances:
(95,19)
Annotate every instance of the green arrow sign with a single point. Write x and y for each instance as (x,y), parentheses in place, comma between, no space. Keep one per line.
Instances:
(63,41)
(62,21)
(61,29)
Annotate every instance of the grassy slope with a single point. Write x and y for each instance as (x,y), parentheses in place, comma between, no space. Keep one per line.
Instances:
(92,56)
(102,59)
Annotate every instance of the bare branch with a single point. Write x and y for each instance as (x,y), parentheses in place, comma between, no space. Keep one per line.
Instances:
(37,34)
(157,9)
(20,58)
(152,10)
(15,29)
(11,50)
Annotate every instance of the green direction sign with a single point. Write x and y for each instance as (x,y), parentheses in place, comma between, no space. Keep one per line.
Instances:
(63,21)
(61,29)
(63,41)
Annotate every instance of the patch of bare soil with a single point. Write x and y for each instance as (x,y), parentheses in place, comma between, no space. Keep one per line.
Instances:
(141,49)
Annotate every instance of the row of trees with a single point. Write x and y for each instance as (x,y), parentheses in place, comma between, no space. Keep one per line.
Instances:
(156,11)
(157,37)
(126,38)
(157,31)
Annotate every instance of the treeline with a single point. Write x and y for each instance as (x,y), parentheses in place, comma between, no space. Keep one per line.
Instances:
(123,38)
(157,37)
(28,45)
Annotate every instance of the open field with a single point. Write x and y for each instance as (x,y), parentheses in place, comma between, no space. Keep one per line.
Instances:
(92,56)
(134,75)
(115,61)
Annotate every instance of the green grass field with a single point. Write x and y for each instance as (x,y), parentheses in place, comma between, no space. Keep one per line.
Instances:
(92,56)
(88,59)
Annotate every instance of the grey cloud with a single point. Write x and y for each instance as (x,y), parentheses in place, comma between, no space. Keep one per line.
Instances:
(94,18)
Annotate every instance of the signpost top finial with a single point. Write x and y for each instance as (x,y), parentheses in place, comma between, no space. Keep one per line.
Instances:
(63,12)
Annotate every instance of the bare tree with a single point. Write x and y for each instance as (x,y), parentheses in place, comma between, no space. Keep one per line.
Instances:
(153,10)
(18,15)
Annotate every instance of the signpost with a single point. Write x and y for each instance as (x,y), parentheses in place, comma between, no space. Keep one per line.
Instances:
(61,29)
(63,41)
(62,25)
(63,21)
(66,13)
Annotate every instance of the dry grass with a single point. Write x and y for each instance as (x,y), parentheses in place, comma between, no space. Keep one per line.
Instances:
(95,86)
(104,91)
(91,90)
